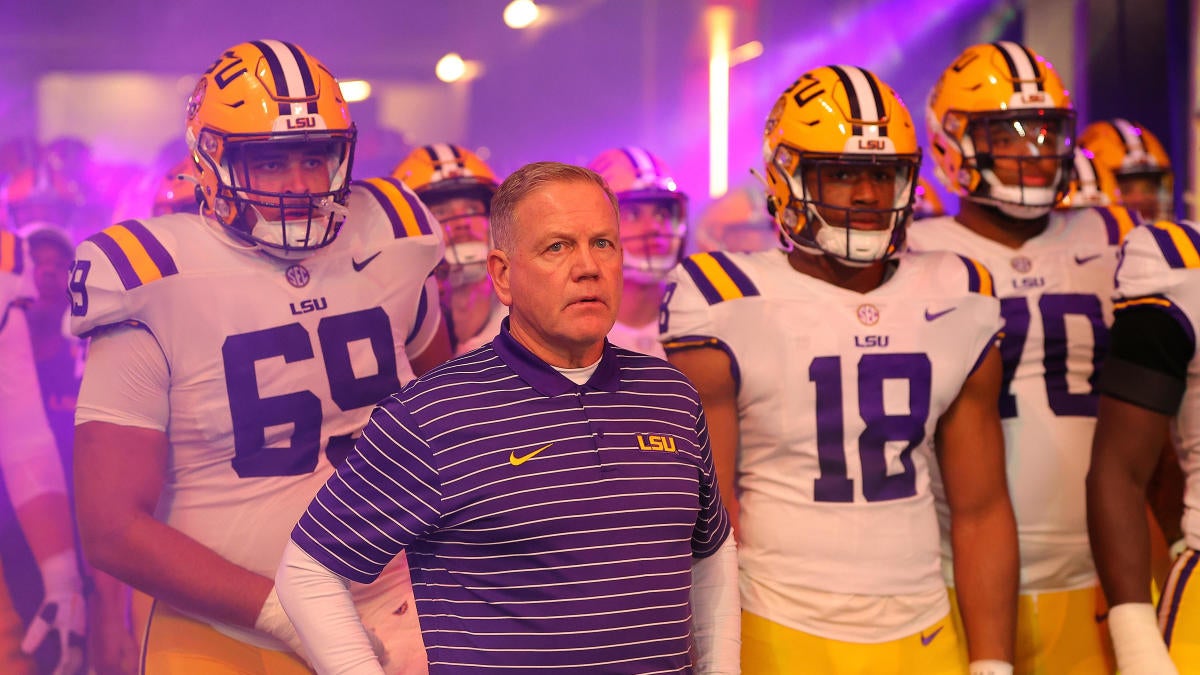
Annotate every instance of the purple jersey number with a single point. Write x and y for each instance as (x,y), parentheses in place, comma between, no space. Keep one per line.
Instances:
(252,413)
(825,372)
(1054,308)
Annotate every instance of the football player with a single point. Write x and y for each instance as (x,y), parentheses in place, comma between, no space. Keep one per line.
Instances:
(33,476)
(653,223)
(1001,130)
(823,440)
(457,186)
(176,190)
(1128,152)
(1148,391)
(236,353)
(737,221)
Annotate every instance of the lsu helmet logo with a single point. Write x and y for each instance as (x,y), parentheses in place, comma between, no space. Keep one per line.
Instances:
(656,443)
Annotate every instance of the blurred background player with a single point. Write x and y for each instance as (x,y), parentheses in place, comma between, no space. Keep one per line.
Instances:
(457,186)
(1089,185)
(1133,156)
(236,353)
(737,221)
(36,487)
(1148,392)
(823,371)
(176,191)
(1001,129)
(926,202)
(653,214)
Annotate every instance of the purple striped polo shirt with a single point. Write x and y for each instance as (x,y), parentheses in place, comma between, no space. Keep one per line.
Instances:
(547,525)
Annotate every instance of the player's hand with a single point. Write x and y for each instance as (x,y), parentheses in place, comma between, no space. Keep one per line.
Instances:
(62,615)
(112,649)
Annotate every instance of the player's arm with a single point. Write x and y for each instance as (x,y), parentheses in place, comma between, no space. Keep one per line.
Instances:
(429,346)
(33,475)
(710,372)
(119,474)
(1142,384)
(983,532)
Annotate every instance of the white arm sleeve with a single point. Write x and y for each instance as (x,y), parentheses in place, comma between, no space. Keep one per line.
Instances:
(320,606)
(717,611)
(422,334)
(126,380)
(28,455)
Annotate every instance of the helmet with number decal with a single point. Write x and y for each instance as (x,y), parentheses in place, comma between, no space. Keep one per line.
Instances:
(1090,186)
(176,191)
(839,116)
(268,101)
(653,211)
(997,118)
(457,186)
(1127,151)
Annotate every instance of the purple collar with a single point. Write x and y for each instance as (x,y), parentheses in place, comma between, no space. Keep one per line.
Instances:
(544,379)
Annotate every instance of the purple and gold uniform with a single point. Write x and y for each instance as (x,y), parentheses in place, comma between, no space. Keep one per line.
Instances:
(548,524)
(838,534)
(1054,296)
(267,393)
(1160,271)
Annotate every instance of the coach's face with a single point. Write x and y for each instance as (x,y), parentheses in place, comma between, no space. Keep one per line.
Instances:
(562,280)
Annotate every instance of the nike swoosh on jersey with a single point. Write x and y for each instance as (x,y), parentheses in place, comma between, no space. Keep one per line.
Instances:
(926,639)
(358,266)
(1086,259)
(933,316)
(518,461)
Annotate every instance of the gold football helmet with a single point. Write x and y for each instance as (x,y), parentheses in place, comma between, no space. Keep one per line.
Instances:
(176,191)
(1128,151)
(1090,185)
(926,202)
(271,95)
(441,174)
(996,118)
(653,211)
(833,118)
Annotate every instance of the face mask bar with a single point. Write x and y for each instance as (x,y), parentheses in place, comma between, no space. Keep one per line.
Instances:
(653,229)
(1010,151)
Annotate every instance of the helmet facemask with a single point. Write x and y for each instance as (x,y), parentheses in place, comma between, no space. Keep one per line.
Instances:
(463,208)
(824,205)
(1020,162)
(259,198)
(653,229)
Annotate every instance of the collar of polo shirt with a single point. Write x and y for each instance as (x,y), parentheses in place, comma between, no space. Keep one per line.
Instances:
(543,377)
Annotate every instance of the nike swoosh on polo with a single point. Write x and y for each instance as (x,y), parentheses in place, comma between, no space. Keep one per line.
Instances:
(358,266)
(926,639)
(518,461)
(1086,259)
(933,316)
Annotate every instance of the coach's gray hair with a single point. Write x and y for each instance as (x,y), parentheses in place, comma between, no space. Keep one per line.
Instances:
(526,180)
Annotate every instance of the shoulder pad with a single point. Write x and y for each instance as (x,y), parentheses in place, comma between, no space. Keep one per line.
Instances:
(135,254)
(1118,222)
(979,279)
(407,215)
(718,278)
(1178,243)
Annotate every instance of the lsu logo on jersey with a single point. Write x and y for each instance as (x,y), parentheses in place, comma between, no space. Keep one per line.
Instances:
(656,443)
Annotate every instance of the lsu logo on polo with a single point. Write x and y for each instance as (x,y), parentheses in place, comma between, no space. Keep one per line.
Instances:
(657,443)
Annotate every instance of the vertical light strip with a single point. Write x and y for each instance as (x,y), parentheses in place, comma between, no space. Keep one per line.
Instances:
(720,29)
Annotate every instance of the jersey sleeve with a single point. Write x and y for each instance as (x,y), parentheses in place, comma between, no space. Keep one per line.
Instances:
(126,380)
(702,281)
(425,325)
(111,271)
(382,498)
(982,305)
(1118,222)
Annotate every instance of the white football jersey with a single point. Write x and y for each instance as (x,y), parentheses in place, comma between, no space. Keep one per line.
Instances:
(1055,299)
(275,365)
(491,328)
(1160,264)
(837,394)
(642,339)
